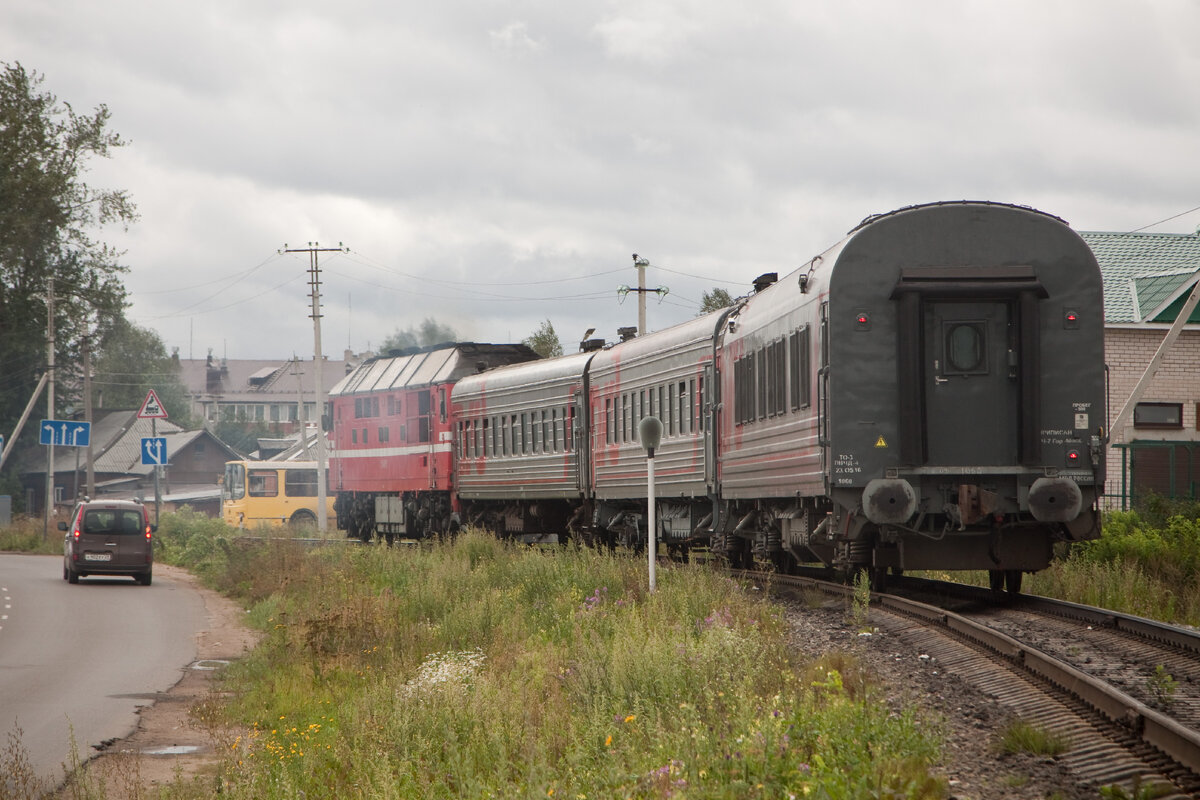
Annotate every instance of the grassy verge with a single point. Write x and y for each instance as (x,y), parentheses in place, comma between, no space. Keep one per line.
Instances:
(29,535)
(475,668)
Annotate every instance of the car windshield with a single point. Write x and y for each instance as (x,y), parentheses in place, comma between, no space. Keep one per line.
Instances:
(112,521)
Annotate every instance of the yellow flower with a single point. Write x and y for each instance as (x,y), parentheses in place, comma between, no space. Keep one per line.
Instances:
(608,741)
(631,718)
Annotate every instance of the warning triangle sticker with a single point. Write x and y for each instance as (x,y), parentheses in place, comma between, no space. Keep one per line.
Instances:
(880,442)
(152,407)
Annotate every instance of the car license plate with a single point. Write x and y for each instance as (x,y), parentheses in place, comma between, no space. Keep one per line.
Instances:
(97,556)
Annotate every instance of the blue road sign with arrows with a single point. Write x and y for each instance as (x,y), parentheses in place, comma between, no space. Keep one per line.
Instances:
(65,433)
(154,450)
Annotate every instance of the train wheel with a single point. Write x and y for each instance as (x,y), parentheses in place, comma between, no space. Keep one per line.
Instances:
(878,578)
(1012,581)
(996,580)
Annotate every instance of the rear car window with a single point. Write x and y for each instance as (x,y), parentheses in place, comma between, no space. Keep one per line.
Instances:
(113,522)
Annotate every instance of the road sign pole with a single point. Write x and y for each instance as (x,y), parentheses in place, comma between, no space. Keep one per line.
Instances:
(157,470)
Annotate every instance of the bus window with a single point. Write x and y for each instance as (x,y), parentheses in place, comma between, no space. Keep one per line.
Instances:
(264,483)
(300,483)
(234,486)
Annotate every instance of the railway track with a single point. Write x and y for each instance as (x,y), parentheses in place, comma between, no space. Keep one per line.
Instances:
(1124,691)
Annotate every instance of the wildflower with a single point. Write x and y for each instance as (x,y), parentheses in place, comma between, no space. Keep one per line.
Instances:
(608,741)
(631,718)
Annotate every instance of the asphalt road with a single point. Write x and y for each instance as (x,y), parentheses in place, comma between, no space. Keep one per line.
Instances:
(79,660)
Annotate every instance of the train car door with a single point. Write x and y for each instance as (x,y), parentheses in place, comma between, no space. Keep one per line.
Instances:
(972,388)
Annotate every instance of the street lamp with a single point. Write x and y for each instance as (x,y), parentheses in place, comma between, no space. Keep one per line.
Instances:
(650,431)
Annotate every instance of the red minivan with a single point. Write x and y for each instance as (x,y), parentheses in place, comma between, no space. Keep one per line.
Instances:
(108,537)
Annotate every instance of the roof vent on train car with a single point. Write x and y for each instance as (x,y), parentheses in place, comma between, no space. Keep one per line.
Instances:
(627,333)
(765,280)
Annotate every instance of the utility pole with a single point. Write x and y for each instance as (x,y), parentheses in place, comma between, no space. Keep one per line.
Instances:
(661,291)
(314,282)
(87,413)
(49,405)
(296,373)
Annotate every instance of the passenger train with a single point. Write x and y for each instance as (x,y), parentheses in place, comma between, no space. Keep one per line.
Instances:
(928,393)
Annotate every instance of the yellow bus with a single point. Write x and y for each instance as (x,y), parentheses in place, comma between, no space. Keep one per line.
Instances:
(273,493)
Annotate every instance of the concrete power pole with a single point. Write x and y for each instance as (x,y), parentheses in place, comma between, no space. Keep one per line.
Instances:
(49,405)
(314,281)
(641,264)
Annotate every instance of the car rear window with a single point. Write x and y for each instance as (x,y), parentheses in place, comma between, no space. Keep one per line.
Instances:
(109,521)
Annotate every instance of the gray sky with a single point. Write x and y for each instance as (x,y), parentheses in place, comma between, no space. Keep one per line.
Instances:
(495,164)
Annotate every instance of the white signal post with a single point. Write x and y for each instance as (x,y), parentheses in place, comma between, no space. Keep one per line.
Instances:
(650,431)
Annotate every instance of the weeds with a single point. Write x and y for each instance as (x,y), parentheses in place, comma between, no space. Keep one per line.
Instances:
(858,615)
(1021,737)
(479,668)
(1162,686)
(18,780)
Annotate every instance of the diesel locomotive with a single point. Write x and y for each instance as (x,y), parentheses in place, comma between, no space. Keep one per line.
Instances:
(928,393)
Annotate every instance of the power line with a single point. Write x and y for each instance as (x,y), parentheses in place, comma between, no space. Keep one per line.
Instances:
(1168,219)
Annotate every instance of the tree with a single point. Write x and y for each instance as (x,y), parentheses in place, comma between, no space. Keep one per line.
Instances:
(430,332)
(714,300)
(47,217)
(129,363)
(544,341)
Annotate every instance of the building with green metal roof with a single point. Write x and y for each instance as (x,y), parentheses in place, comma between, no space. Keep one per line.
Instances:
(1148,278)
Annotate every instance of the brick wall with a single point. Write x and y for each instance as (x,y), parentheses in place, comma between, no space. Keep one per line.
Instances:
(1128,352)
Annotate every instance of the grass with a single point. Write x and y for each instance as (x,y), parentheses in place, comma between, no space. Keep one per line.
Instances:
(30,535)
(478,668)
(1021,737)
(475,668)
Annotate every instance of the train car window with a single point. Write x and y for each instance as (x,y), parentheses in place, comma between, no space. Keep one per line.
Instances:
(384,434)
(624,417)
(488,450)
(391,405)
(670,409)
(700,397)
(662,411)
(545,432)
(760,371)
(1158,415)
(966,348)
(365,436)
(608,420)
(504,434)
(354,436)
(375,406)
(682,416)
(801,370)
(569,416)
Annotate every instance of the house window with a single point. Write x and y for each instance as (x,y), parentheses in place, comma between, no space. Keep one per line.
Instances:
(1158,415)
